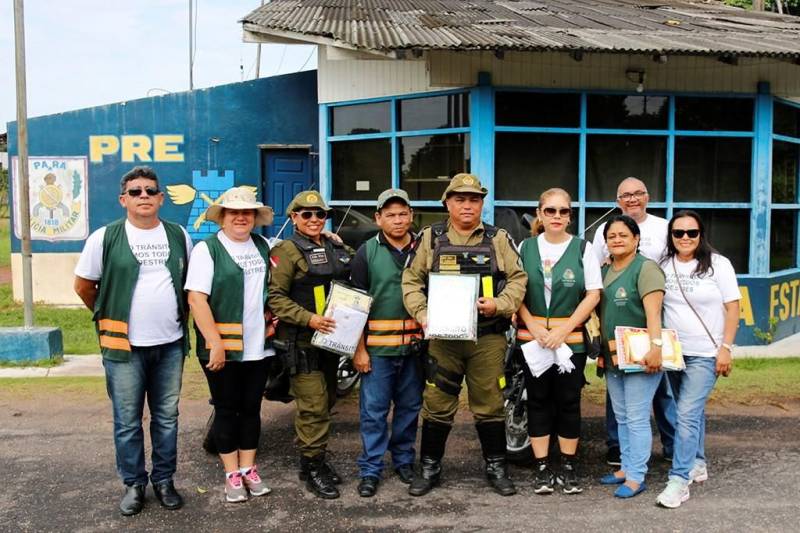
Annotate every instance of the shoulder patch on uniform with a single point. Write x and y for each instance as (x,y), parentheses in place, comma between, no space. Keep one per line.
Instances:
(274,260)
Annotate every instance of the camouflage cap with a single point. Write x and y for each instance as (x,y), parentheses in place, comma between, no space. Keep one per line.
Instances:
(464,183)
(392,194)
(307,199)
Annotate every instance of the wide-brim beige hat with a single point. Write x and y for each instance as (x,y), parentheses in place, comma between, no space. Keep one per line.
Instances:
(240,198)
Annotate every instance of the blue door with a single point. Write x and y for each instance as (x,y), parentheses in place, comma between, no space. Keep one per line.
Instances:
(285,173)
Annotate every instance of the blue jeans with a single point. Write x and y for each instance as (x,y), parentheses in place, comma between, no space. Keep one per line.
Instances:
(692,388)
(664,411)
(153,372)
(391,380)
(631,397)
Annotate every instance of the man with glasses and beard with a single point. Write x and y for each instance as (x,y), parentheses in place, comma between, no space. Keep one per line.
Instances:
(131,275)
(303,268)
(632,199)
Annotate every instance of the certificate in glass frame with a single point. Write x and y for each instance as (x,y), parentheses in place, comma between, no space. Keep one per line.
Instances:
(452,306)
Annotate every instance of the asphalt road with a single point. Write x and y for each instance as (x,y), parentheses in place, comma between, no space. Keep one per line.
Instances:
(57,474)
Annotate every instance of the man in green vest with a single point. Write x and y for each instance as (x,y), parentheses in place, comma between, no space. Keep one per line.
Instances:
(131,275)
(465,245)
(386,356)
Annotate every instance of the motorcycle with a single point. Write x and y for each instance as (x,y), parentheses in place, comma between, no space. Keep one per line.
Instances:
(518,444)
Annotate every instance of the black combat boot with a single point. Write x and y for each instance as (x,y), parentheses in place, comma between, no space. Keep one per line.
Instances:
(493,442)
(313,471)
(432,443)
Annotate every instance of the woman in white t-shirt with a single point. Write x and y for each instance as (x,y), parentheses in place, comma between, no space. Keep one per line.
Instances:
(702,303)
(564,284)
(227,282)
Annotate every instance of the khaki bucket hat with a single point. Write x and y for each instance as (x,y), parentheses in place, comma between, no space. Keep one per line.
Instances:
(305,199)
(464,183)
(240,198)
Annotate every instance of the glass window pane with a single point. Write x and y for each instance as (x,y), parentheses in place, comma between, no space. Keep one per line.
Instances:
(714,114)
(538,109)
(360,170)
(361,118)
(627,112)
(612,158)
(429,161)
(435,112)
(526,164)
(786,120)
(728,231)
(594,213)
(785,172)
(425,216)
(709,169)
(358,226)
(783,240)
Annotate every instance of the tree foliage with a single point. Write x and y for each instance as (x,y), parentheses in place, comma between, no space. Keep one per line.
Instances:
(791,7)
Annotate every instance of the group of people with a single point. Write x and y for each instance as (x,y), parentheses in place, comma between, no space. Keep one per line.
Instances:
(256,308)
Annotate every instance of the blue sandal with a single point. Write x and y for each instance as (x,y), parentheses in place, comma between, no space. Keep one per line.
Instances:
(626,492)
(611,479)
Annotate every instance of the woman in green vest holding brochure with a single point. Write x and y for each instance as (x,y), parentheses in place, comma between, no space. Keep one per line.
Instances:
(633,292)
(227,283)
(564,285)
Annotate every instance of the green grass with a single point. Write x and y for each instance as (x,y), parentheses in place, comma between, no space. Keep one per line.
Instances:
(5,243)
(75,323)
(752,382)
(42,363)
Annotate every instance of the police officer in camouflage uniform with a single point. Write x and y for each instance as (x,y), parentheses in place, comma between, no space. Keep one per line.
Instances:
(463,244)
(303,267)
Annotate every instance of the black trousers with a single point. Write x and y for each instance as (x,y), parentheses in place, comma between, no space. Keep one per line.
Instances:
(554,400)
(236,391)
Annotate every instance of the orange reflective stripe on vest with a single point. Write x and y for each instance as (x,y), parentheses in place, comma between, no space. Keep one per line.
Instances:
(115,343)
(229,329)
(392,340)
(230,344)
(391,325)
(113,326)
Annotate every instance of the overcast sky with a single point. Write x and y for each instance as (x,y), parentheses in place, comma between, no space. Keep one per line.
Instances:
(83,53)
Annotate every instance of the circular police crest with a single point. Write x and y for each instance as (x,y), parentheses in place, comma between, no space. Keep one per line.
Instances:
(467,181)
(311,198)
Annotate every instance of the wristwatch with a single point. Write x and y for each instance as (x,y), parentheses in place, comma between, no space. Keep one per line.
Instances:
(727,346)
(657,342)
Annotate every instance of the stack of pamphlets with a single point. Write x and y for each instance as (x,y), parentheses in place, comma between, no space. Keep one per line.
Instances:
(349,307)
(634,343)
(540,359)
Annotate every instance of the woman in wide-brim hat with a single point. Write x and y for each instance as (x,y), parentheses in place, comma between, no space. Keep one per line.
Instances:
(227,283)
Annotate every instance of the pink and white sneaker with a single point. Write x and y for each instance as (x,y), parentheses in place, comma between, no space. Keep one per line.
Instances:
(235,490)
(254,483)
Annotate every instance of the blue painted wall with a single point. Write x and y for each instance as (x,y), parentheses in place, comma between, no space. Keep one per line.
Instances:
(240,116)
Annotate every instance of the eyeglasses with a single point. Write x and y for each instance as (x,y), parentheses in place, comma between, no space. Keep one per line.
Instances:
(692,233)
(320,214)
(151,191)
(631,195)
(551,211)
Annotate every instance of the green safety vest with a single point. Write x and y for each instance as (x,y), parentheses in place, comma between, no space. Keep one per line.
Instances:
(567,290)
(390,329)
(621,305)
(118,281)
(227,300)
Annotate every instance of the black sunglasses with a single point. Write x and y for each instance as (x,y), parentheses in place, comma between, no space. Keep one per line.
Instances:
(321,214)
(151,191)
(551,211)
(692,233)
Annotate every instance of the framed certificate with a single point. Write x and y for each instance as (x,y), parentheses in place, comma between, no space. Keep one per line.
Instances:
(349,307)
(452,306)
(634,343)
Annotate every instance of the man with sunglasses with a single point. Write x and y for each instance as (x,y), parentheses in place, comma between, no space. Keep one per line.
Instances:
(632,199)
(463,244)
(302,269)
(131,275)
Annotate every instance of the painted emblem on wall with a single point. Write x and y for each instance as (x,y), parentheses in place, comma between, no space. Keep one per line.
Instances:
(58,198)
(205,191)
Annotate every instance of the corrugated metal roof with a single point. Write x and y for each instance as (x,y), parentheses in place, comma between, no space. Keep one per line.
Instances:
(636,26)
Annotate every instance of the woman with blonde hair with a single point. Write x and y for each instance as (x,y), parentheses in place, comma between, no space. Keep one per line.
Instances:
(564,285)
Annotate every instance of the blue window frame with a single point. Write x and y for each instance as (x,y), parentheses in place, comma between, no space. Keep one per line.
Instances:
(653,126)
(784,217)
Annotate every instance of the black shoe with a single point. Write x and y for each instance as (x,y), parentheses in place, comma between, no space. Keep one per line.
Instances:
(133,501)
(368,486)
(568,478)
(167,496)
(328,468)
(405,473)
(497,475)
(544,480)
(317,479)
(429,477)
(613,457)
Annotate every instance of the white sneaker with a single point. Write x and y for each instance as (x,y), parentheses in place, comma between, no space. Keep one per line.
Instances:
(674,495)
(698,473)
